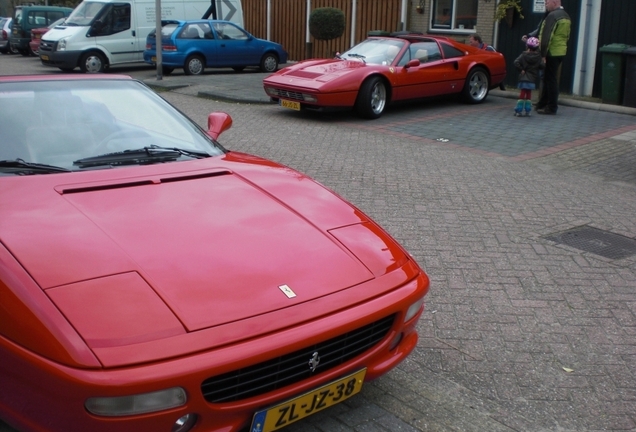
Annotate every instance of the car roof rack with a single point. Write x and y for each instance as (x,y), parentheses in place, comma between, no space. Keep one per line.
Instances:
(406,33)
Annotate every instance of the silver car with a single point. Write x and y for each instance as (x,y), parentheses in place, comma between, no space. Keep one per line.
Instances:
(5,32)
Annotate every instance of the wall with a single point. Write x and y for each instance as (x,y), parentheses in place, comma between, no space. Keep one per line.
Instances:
(288,23)
(485,24)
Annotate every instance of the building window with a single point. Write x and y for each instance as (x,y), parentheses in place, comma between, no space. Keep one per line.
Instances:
(454,14)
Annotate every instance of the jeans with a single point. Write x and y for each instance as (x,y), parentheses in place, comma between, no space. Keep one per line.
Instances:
(550,90)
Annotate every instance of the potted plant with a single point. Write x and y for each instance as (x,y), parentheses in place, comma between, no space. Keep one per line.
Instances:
(506,9)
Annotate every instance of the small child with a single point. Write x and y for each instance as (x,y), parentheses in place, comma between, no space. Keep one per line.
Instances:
(529,63)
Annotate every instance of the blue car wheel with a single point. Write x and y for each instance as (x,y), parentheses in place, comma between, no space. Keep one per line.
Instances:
(269,63)
(194,65)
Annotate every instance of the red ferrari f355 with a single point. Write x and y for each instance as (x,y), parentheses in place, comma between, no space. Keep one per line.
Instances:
(152,280)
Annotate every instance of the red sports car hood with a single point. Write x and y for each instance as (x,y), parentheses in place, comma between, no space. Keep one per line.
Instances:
(209,246)
(313,73)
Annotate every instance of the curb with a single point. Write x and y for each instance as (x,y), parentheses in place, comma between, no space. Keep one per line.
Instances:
(566,101)
(240,99)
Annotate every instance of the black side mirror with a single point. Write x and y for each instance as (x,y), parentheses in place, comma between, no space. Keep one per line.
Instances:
(97,27)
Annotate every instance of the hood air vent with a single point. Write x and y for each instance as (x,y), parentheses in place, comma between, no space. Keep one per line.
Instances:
(126,183)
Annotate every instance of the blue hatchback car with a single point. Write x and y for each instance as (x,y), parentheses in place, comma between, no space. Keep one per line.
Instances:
(196,44)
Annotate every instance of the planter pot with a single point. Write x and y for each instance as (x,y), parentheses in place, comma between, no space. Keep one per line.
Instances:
(510,16)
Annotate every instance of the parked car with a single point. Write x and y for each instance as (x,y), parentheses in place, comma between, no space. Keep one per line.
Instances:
(29,16)
(381,70)
(5,33)
(152,280)
(37,33)
(197,44)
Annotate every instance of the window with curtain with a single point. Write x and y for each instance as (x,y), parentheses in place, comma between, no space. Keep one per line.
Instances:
(454,14)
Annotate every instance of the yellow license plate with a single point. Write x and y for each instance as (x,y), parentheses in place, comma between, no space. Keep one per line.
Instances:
(303,406)
(154,59)
(290,104)
(44,57)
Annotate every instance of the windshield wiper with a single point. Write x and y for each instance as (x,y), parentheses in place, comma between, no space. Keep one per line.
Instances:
(20,166)
(142,156)
(358,56)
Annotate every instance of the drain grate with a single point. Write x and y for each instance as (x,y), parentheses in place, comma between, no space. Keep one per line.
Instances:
(596,241)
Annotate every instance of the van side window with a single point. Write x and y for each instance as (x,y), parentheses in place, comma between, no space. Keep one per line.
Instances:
(51,17)
(121,17)
(115,20)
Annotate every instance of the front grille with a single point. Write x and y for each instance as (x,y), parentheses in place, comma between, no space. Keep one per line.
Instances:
(294,367)
(45,45)
(289,94)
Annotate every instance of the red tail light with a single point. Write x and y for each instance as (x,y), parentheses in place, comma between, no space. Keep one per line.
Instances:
(169,48)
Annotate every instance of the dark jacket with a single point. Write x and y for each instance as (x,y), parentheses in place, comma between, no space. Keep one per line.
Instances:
(531,63)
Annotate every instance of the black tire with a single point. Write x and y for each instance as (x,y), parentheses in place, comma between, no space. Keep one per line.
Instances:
(167,70)
(194,65)
(25,53)
(13,50)
(238,68)
(93,62)
(372,98)
(476,86)
(269,63)
(34,52)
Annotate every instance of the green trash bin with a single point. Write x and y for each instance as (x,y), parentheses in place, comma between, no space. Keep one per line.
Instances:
(613,73)
(378,33)
(629,98)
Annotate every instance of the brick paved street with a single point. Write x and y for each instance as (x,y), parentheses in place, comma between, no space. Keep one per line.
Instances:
(520,333)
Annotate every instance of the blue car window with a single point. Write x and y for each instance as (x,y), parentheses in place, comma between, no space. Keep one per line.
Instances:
(192,31)
(207,31)
(229,31)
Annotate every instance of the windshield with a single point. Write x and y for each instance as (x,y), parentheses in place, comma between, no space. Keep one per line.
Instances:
(59,122)
(85,13)
(375,51)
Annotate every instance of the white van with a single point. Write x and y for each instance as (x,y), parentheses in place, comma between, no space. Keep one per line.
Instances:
(101,33)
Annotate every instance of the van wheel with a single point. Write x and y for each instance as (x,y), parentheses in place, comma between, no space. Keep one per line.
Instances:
(194,65)
(92,62)
(269,63)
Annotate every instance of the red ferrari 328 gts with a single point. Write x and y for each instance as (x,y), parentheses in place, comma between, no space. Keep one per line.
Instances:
(381,70)
(151,280)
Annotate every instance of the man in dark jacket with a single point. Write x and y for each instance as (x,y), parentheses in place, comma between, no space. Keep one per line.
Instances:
(554,33)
